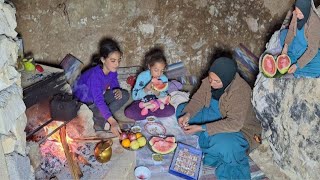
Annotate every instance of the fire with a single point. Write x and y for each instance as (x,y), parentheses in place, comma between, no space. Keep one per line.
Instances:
(53,143)
(55,136)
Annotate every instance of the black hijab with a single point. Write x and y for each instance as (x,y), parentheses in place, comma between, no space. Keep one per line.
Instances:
(305,7)
(225,68)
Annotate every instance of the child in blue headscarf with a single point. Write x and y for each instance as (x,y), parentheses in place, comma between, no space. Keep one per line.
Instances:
(221,114)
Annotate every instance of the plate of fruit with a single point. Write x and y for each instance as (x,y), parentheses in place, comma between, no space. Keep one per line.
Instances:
(132,141)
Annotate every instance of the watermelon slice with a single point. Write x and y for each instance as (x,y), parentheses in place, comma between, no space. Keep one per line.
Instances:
(164,147)
(268,65)
(158,85)
(170,139)
(155,139)
(283,63)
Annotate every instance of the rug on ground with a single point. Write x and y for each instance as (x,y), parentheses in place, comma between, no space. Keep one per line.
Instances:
(160,171)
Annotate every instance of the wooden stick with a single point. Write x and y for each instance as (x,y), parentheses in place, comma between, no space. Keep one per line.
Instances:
(73,166)
(93,139)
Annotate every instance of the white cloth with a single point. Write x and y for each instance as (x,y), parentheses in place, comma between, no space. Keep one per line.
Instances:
(178,97)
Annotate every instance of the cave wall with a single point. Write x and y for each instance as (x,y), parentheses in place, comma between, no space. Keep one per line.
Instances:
(189,31)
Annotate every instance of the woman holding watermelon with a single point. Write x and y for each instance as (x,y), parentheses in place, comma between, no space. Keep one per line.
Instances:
(150,89)
(221,114)
(301,42)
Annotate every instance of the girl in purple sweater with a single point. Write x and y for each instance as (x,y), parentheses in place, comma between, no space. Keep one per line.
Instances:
(99,88)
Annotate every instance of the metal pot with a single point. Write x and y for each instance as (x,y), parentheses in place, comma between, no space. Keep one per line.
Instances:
(103,151)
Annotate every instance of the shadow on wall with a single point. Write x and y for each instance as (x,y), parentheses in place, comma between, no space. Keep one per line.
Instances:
(216,53)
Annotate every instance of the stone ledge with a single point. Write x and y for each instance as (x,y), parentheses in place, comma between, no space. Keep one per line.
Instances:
(289,110)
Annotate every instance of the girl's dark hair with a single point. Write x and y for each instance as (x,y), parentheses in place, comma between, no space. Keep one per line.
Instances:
(155,55)
(106,47)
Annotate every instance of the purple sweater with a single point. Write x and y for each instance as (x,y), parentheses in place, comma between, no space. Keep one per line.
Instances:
(91,86)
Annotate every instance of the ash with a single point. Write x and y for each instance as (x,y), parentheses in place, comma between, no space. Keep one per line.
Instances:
(54,164)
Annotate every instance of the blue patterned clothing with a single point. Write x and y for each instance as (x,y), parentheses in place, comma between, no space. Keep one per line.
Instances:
(142,81)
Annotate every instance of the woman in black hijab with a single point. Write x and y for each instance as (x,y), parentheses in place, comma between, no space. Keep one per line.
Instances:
(301,41)
(221,114)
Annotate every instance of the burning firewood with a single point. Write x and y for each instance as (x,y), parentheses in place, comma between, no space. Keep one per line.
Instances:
(73,166)
(79,158)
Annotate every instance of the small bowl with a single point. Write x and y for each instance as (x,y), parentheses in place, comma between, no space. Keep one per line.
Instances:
(151,118)
(135,129)
(142,172)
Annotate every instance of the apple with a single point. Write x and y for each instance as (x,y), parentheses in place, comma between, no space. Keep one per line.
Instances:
(134,145)
(132,136)
(123,136)
(142,141)
(131,80)
(39,68)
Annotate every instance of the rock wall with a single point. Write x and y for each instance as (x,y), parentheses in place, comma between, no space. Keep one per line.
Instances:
(188,30)
(14,163)
(289,110)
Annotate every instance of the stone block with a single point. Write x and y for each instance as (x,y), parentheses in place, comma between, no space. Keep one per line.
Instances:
(82,125)
(20,135)
(3,164)
(8,21)
(16,140)
(9,76)
(19,167)
(8,51)
(11,108)
(34,154)
(289,110)
(8,143)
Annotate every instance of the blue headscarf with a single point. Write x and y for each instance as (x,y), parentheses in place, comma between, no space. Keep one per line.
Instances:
(305,8)
(225,68)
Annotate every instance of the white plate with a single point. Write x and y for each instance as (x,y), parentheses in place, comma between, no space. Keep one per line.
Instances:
(155,129)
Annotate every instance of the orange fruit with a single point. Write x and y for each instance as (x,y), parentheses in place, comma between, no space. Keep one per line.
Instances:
(138,135)
(125,143)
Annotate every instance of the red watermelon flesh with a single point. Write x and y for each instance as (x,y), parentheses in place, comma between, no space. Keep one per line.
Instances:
(283,63)
(155,139)
(170,139)
(269,65)
(158,85)
(164,147)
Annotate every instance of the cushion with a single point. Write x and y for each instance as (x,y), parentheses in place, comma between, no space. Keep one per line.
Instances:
(126,76)
(72,68)
(248,63)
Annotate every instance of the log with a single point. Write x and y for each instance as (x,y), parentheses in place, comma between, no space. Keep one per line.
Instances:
(73,166)
(93,139)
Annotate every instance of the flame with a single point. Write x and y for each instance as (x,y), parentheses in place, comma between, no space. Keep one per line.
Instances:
(54,139)
(55,136)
